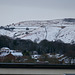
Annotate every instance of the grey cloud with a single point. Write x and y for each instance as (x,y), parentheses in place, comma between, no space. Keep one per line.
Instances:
(18,10)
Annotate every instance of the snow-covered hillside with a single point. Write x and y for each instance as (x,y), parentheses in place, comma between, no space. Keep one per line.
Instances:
(59,29)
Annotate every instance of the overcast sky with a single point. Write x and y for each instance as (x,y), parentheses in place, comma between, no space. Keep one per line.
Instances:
(13,11)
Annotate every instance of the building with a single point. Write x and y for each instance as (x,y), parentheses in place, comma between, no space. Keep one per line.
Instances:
(35,56)
(6,51)
(7,55)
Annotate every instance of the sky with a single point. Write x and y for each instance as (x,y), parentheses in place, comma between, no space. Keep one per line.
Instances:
(13,11)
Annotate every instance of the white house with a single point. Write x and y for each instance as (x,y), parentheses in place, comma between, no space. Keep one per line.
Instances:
(35,56)
(5,51)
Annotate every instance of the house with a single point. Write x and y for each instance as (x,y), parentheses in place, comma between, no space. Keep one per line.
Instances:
(7,55)
(61,57)
(6,51)
(35,56)
(50,55)
(9,58)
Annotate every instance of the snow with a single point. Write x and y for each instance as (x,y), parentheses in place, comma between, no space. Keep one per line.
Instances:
(17,54)
(6,32)
(6,48)
(39,30)
(62,58)
(67,34)
(52,32)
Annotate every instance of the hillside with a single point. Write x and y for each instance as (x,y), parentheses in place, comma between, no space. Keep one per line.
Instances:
(51,30)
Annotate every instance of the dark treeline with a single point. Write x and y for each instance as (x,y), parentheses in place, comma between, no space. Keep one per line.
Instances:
(45,46)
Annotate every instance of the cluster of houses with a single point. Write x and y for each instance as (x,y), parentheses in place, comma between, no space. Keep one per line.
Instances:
(16,55)
(62,58)
(6,54)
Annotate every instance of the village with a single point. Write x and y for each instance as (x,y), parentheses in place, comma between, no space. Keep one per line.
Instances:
(16,56)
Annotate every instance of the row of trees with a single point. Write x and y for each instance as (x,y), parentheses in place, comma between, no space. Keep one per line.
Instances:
(45,46)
